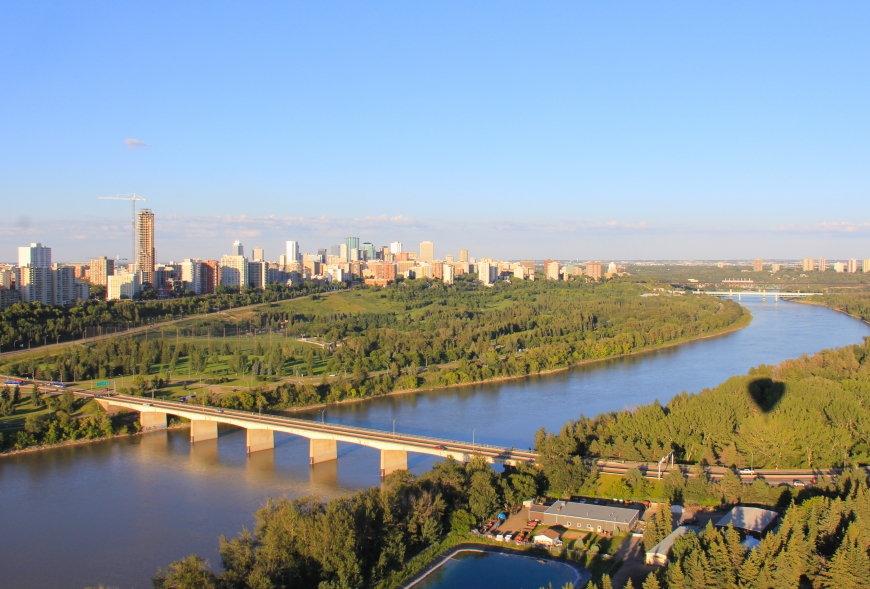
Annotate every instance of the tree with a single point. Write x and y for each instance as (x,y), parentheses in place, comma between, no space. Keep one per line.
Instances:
(483,498)
(188,573)
(461,522)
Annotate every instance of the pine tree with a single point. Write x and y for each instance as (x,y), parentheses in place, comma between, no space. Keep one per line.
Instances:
(651,582)
(850,567)
(675,579)
(605,582)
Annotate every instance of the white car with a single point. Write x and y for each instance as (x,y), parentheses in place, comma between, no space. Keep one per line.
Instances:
(747,471)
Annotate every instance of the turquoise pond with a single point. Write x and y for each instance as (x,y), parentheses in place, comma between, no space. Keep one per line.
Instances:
(486,570)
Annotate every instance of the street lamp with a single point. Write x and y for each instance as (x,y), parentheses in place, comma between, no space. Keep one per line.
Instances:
(394,428)
(472,441)
(322,411)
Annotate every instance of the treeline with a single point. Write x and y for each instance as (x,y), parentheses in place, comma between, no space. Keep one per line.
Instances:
(822,543)
(854,304)
(39,324)
(812,412)
(58,424)
(356,541)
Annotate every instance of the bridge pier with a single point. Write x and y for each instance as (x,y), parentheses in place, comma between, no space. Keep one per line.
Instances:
(393,460)
(152,419)
(201,430)
(323,450)
(260,439)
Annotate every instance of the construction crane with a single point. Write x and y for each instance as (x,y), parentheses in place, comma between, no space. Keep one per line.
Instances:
(134,198)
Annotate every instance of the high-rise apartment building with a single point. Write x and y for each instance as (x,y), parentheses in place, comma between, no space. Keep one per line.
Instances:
(427,251)
(191,275)
(101,269)
(238,249)
(210,277)
(259,254)
(449,258)
(852,266)
(758,266)
(63,285)
(234,271)
(463,255)
(396,247)
(809,264)
(145,245)
(551,269)
(35,255)
(122,286)
(867,266)
(594,270)
(447,274)
(487,273)
(344,253)
(33,274)
(292,252)
(823,265)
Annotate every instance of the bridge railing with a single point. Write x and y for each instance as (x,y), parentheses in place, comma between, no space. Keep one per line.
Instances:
(308,423)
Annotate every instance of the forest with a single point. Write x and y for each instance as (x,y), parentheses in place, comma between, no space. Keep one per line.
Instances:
(856,304)
(371,342)
(810,412)
(35,324)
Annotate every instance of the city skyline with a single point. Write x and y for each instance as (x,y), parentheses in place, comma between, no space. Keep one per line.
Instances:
(658,132)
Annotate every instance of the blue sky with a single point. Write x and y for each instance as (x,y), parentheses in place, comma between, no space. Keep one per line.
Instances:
(576,130)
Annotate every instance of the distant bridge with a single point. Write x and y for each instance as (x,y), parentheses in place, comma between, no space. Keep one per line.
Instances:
(758,293)
(324,437)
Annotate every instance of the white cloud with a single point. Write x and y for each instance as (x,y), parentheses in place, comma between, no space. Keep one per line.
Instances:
(134,143)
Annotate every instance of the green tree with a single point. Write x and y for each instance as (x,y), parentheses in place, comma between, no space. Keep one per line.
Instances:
(188,573)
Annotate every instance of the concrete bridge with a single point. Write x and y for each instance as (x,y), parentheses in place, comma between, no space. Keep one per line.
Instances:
(758,293)
(324,437)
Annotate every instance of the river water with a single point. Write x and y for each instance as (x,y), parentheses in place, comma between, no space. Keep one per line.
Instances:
(112,512)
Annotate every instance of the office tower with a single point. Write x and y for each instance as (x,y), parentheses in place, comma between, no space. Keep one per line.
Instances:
(809,264)
(234,271)
(322,253)
(823,265)
(593,270)
(427,251)
(335,250)
(758,266)
(258,254)
(191,274)
(396,247)
(463,255)
(551,269)
(354,255)
(35,256)
(101,269)
(351,243)
(238,249)
(344,253)
(368,251)
(447,273)
(125,285)
(292,252)
(145,245)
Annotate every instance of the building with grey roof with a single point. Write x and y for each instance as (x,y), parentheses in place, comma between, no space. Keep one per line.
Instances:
(590,518)
(658,554)
(750,520)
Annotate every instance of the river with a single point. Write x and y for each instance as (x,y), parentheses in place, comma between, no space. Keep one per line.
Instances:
(111,512)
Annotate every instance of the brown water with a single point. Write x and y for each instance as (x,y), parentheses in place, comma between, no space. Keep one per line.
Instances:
(112,512)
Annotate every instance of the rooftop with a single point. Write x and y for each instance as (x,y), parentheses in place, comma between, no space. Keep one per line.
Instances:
(603,513)
(751,519)
(664,547)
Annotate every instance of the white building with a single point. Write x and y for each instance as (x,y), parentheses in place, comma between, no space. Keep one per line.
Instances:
(238,248)
(487,273)
(191,274)
(447,273)
(396,247)
(234,271)
(34,284)
(122,286)
(35,256)
(63,285)
(839,267)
